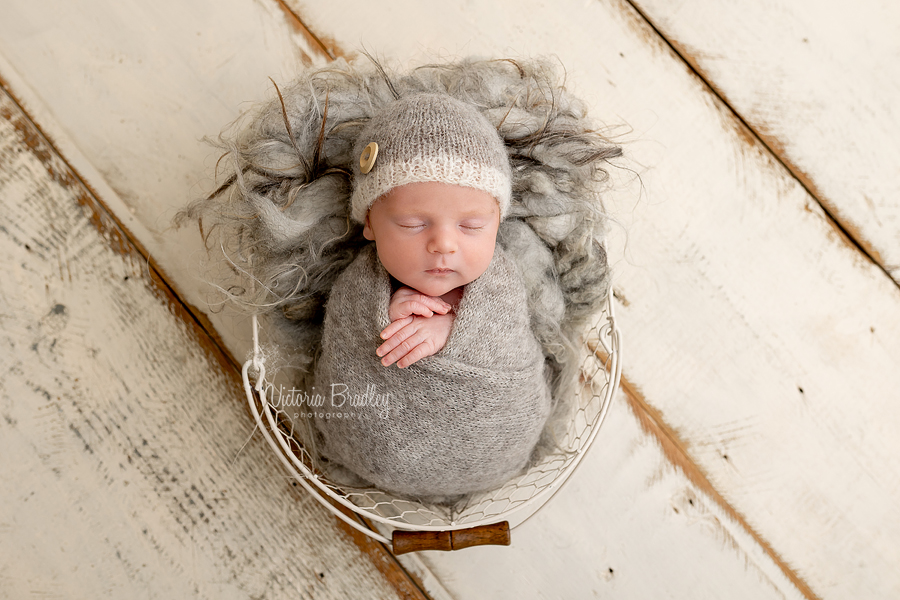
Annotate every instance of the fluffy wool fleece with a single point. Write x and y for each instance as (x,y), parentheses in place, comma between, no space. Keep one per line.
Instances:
(281,214)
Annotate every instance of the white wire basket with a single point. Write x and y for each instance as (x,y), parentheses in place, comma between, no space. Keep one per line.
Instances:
(484,518)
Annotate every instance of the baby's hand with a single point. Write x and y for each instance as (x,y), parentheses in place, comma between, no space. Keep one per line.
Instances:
(407,302)
(412,338)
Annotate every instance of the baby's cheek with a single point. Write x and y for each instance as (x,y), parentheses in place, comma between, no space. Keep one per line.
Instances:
(482,261)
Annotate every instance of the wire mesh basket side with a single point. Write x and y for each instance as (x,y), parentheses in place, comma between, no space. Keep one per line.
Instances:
(601,371)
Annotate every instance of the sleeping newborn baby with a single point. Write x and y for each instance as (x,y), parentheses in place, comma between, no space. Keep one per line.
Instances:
(427,346)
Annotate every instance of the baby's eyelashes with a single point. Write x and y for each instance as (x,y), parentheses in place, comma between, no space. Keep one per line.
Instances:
(410,223)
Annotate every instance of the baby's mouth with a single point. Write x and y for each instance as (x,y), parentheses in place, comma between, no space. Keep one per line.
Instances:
(439,271)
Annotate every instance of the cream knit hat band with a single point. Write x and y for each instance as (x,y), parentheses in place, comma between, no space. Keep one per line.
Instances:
(429,137)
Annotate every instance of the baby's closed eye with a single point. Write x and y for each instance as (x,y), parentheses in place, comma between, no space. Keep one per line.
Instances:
(411,224)
(474,224)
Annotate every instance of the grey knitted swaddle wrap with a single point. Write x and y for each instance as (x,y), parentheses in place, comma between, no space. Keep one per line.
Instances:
(464,420)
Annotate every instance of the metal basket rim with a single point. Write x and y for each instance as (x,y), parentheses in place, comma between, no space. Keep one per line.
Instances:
(322,489)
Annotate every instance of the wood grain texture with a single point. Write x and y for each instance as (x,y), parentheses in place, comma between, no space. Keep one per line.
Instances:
(819,82)
(629,524)
(496,534)
(128,464)
(128,92)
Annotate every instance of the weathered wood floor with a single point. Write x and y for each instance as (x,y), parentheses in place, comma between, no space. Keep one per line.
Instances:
(752,452)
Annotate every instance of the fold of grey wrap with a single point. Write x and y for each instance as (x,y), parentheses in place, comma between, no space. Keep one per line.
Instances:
(463,420)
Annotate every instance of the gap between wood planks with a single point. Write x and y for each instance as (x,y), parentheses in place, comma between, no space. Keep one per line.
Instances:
(124,242)
(651,420)
(846,231)
(326,45)
(673,448)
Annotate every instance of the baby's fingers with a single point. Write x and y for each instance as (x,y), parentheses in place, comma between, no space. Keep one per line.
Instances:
(399,346)
(434,304)
(397,343)
(423,305)
(393,328)
(420,351)
(413,307)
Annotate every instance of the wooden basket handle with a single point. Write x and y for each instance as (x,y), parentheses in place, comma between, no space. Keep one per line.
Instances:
(413,541)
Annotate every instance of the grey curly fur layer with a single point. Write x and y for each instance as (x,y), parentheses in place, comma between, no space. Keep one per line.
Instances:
(282,213)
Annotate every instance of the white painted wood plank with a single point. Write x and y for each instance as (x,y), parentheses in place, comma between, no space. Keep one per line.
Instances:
(125,470)
(649,537)
(820,81)
(629,525)
(651,92)
(671,517)
(740,294)
(127,90)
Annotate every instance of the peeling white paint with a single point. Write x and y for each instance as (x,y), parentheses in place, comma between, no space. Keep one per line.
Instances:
(124,466)
(820,78)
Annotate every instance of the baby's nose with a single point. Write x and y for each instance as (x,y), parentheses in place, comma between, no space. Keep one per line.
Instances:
(442,243)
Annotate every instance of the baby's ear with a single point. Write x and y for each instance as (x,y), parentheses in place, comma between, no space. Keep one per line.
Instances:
(367,230)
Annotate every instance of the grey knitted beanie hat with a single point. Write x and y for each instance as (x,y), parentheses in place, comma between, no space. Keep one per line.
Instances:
(429,137)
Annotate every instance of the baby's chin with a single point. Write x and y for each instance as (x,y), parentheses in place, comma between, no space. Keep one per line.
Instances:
(437,289)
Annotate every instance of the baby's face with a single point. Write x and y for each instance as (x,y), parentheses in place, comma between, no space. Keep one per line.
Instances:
(434,237)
